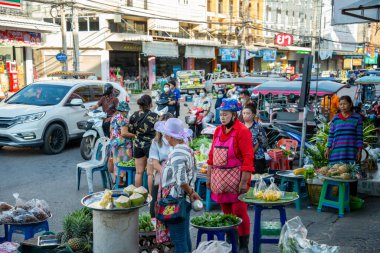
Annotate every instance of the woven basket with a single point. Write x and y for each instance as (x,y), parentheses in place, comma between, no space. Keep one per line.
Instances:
(315,190)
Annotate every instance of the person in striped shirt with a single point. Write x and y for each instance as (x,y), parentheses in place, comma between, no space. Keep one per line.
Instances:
(345,141)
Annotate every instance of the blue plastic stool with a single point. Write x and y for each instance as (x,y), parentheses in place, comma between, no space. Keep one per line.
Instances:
(342,202)
(257,237)
(220,235)
(131,173)
(208,202)
(298,183)
(27,230)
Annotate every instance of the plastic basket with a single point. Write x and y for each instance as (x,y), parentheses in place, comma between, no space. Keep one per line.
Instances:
(271,228)
(356,203)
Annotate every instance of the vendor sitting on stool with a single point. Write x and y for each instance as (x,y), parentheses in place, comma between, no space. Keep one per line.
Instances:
(231,165)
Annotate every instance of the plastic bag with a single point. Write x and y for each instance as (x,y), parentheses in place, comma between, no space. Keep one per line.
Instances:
(39,213)
(260,188)
(272,193)
(6,217)
(9,247)
(20,203)
(5,207)
(293,240)
(213,247)
(43,205)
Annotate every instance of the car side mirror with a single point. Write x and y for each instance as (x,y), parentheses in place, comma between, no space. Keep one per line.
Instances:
(76,102)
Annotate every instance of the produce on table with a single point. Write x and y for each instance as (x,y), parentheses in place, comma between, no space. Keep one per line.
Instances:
(130,163)
(299,171)
(136,199)
(340,171)
(145,223)
(197,142)
(270,195)
(258,176)
(122,202)
(129,189)
(141,190)
(106,199)
(215,220)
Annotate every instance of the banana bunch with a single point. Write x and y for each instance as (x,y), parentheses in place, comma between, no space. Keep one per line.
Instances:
(258,194)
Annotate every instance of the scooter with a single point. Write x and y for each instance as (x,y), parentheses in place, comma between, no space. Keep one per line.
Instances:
(94,130)
(162,107)
(194,120)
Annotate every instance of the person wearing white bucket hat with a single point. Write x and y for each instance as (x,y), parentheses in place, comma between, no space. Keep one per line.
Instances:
(178,178)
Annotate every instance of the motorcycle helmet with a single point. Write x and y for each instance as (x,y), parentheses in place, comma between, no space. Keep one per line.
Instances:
(108,89)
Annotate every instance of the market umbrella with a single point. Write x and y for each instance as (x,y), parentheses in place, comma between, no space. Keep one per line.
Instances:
(368,80)
(287,88)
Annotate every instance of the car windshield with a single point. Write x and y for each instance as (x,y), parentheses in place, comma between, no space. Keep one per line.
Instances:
(39,94)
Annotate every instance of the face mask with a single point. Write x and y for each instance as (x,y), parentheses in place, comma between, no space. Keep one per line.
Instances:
(220,95)
(165,141)
(242,100)
(201,95)
(166,89)
(230,124)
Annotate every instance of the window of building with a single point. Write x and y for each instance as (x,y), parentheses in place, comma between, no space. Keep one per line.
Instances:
(183,2)
(220,6)
(69,27)
(117,27)
(94,23)
(209,5)
(83,24)
(49,20)
(140,27)
(130,3)
(145,4)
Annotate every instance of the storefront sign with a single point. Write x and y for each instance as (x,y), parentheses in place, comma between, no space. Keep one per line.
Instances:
(269,55)
(252,53)
(2,67)
(283,39)
(163,25)
(14,4)
(371,61)
(356,62)
(302,52)
(370,51)
(229,54)
(347,64)
(17,38)
(61,57)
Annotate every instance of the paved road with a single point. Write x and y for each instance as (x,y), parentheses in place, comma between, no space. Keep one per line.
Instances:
(52,178)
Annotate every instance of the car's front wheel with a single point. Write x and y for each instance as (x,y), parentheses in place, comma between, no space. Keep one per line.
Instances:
(54,140)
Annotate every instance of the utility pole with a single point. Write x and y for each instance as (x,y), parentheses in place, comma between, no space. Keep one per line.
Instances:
(75,28)
(314,30)
(64,41)
(242,43)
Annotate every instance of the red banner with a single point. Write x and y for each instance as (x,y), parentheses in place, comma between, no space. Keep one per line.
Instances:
(283,39)
(17,38)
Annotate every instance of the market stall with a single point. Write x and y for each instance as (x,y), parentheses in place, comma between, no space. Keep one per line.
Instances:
(191,80)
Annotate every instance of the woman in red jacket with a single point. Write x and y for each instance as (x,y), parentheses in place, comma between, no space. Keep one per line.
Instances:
(231,165)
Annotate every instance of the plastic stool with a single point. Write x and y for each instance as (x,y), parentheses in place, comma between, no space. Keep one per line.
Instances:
(297,183)
(208,202)
(27,230)
(327,199)
(257,235)
(220,234)
(131,173)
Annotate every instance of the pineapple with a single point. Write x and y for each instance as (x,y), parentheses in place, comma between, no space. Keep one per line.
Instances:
(76,244)
(59,236)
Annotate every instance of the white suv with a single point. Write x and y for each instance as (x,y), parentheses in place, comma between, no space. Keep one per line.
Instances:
(47,114)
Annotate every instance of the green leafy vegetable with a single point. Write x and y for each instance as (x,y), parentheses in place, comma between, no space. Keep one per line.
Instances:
(145,222)
(130,163)
(215,220)
(197,142)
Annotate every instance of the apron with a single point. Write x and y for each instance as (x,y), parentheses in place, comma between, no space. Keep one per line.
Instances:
(225,173)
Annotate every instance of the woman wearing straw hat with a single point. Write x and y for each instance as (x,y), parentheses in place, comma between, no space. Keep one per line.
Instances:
(231,165)
(178,178)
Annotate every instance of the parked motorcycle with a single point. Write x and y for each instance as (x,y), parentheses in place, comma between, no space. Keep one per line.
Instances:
(94,130)
(162,106)
(194,120)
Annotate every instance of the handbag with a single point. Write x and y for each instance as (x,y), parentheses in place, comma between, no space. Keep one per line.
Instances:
(171,210)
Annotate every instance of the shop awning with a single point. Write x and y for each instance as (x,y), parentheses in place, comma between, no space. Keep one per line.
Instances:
(364,9)
(210,43)
(129,37)
(25,24)
(294,48)
(347,53)
(200,52)
(161,49)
